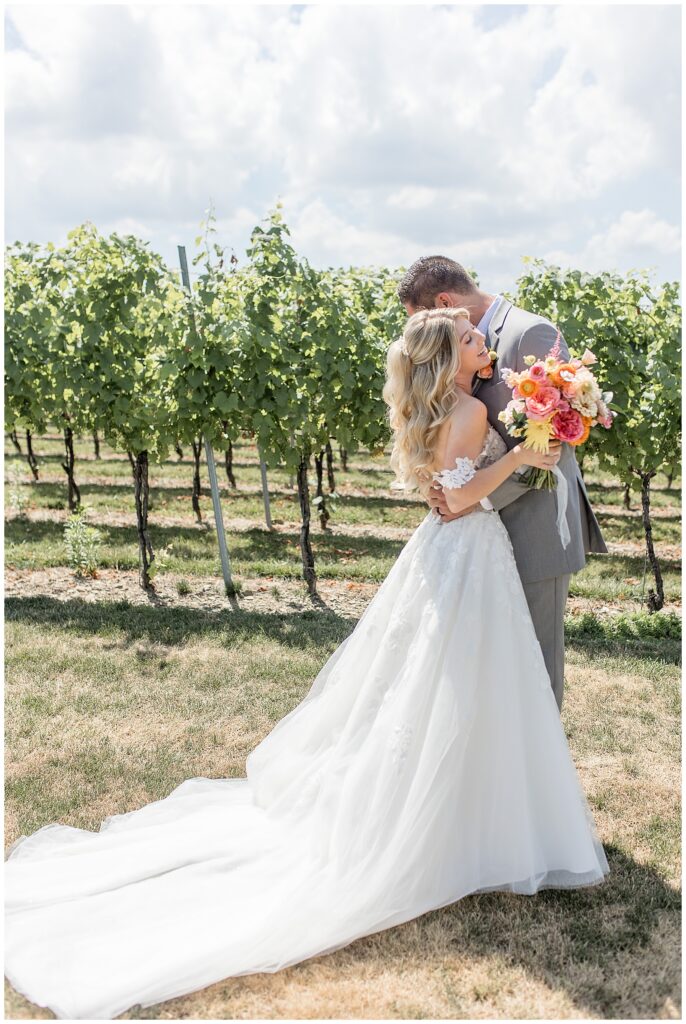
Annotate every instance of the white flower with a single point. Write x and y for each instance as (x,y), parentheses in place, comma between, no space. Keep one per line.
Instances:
(584,403)
(586,385)
(506,373)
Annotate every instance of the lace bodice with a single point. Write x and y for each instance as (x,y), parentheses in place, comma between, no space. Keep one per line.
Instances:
(494,448)
(465,468)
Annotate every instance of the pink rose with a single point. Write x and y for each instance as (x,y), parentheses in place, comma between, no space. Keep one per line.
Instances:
(543,403)
(568,426)
(538,373)
(563,406)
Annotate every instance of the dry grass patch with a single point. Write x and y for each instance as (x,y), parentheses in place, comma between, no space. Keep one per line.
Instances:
(101,725)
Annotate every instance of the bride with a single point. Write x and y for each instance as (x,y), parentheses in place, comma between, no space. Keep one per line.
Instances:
(427,762)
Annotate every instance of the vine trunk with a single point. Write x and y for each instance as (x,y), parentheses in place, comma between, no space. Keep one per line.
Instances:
(145,551)
(321,502)
(656,598)
(309,573)
(197,491)
(228,460)
(30,456)
(329,468)
(74,494)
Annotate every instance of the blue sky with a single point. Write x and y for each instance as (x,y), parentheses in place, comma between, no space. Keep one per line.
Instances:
(484,132)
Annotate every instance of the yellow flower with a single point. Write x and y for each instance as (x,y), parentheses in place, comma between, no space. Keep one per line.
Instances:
(537,433)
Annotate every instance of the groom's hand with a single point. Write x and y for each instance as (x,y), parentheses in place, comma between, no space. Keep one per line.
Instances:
(439,506)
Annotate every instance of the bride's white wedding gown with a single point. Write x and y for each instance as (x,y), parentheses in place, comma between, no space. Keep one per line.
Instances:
(427,761)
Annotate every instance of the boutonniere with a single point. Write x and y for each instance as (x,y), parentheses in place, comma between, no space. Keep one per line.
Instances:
(487,371)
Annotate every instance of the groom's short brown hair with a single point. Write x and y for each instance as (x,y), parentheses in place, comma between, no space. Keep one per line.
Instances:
(430,275)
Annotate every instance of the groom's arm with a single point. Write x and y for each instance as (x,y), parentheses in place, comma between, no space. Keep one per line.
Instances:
(536,341)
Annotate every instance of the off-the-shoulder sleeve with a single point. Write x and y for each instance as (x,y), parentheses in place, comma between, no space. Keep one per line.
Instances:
(449,479)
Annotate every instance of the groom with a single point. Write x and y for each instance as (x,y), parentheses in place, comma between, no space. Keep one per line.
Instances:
(529,515)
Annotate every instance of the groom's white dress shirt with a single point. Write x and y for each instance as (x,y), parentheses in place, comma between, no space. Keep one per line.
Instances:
(485,320)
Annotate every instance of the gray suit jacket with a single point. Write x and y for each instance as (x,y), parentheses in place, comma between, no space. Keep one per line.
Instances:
(530,515)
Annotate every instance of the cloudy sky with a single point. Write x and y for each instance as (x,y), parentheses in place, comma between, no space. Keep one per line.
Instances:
(483,132)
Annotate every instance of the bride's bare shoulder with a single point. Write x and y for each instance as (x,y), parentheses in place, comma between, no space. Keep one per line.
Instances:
(469,413)
(464,430)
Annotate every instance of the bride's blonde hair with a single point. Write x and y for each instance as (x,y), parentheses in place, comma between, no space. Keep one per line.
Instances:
(420,390)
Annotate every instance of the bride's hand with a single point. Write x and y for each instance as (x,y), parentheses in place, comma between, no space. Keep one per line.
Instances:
(439,506)
(540,460)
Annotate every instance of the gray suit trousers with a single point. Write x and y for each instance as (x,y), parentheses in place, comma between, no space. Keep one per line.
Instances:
(546,600)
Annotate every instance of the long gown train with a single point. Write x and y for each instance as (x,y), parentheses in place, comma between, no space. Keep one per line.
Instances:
(428,761)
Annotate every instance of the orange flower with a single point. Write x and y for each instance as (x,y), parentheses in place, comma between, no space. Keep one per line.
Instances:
(588,420)
(555,377)
(527,388)
(486,372)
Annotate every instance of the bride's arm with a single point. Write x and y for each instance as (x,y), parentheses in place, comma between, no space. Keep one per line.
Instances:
(463,485)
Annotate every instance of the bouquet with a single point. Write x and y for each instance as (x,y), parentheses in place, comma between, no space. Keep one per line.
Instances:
(554,399)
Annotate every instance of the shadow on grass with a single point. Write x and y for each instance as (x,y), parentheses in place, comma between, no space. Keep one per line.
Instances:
(604,930)
(616,528)
(117,460)
(597,485)
(614,518)
(633,634)
(52,491)
(253,544)
(616,566)
(597,923)
(639,636)
(667,651)
(158,623)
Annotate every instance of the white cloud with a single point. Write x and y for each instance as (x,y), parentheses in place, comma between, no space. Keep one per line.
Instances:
(412,197)
(641,229)
(387,130)
(637,239)
(316,228)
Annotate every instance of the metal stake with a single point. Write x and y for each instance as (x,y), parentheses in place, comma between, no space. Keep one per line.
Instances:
(265,491)
(211,466)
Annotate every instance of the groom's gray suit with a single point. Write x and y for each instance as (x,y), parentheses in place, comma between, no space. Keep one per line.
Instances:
(530,515)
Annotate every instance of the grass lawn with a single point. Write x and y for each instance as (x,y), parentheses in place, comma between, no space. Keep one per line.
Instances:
(110,703)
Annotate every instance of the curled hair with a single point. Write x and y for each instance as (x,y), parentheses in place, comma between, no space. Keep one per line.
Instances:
(420,390)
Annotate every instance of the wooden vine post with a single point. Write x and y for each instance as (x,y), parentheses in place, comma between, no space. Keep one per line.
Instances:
(203,413)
